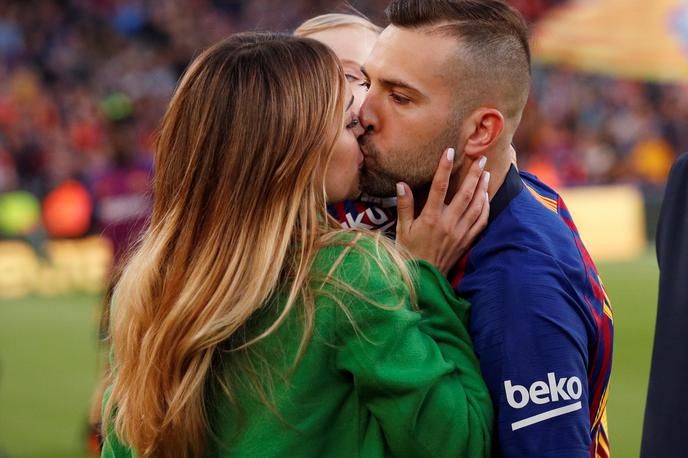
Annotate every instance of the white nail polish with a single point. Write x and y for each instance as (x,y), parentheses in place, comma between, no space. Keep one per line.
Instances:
(401,190)
(487,197)
(483,161)
(451,153)
(487,177)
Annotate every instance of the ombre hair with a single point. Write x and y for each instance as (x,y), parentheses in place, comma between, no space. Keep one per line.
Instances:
(333,21)
(239,213)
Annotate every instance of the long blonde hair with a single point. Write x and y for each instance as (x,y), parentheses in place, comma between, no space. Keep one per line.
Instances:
(239,211)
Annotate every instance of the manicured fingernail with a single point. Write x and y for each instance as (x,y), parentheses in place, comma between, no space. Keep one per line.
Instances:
(487,177)
(451,153)
(487,197)
(483,161)
(401,190)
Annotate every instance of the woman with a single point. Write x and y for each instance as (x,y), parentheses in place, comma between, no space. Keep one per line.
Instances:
(351,38)
(247,323)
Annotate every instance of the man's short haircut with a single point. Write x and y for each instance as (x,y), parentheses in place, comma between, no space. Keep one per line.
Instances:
(493,39)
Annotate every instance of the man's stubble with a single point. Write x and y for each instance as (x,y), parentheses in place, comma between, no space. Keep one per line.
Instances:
(414,165)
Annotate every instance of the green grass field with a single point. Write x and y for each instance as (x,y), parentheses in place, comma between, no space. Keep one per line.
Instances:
(48,365)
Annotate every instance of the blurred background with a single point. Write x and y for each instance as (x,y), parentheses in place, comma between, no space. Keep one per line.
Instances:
(83,84)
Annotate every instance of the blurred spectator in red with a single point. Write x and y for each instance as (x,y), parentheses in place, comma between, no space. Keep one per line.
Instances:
(121,189)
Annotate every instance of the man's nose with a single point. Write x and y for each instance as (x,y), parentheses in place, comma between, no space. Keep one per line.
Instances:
(367,116)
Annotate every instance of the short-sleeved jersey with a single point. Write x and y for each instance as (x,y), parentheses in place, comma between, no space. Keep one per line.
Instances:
(541,324)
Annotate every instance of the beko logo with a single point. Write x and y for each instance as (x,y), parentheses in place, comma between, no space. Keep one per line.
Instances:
(541,392)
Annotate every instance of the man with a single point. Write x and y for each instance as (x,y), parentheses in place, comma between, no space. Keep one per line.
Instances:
(666,414)
(457,73)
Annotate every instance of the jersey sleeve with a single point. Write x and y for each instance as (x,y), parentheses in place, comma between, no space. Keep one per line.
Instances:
(531,338)
(425,393)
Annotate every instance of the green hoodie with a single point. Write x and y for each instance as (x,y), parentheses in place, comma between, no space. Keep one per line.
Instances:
(383,381)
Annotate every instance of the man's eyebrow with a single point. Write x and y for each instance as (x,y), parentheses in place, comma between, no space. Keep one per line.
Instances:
(351,102)
(393,83)
(398,83)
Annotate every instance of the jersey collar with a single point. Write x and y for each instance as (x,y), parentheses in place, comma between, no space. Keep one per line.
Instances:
(511,187)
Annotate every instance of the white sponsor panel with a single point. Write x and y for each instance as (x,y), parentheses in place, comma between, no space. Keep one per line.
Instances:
(543,392)
(546,416)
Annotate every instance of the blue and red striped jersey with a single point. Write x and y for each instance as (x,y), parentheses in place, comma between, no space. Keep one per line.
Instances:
(367,213)
(541,323)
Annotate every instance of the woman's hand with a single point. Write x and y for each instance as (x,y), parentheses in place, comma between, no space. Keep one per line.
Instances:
(442,233)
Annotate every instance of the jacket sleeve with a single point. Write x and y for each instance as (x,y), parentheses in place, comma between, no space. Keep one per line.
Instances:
(112,447)
(415,371)
(666,413)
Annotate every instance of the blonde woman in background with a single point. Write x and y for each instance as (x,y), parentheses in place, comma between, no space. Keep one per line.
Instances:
(247,322)
(351,38)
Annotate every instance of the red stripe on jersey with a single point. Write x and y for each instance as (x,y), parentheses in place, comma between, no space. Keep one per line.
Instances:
(460,271)
(341,212)
(601,383)
(603,444)
(586,256)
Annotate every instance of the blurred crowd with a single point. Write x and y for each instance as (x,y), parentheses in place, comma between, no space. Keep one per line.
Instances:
(582,129)
(83,84)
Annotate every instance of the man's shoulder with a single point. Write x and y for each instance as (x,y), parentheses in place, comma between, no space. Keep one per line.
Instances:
(535,228)
(525,276)
(522,243)
(527,250)
(534,211)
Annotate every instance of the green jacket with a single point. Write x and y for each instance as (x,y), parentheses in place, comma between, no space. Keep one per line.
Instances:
(397,382)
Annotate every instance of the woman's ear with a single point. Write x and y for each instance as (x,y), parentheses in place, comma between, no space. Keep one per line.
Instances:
(486,124)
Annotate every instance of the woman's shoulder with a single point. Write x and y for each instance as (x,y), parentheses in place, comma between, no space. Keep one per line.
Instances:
(362,272)
(355,257)
(364,279)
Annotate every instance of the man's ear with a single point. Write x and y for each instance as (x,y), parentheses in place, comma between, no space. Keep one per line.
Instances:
(486,125)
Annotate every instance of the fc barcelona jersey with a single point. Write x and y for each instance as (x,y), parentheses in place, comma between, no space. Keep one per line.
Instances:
(541,321)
